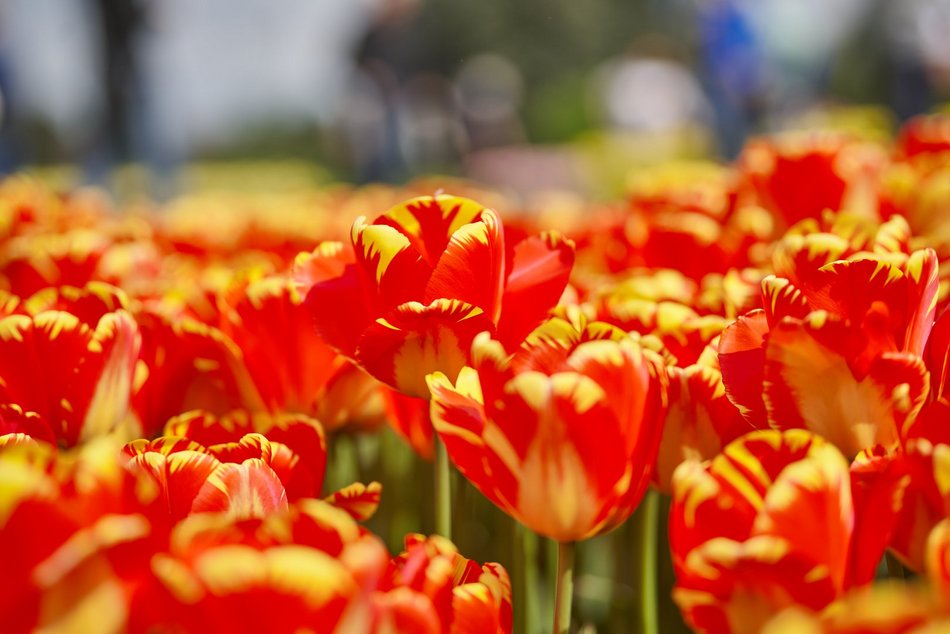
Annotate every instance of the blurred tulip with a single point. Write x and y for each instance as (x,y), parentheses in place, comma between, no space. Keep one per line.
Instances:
(306,567)
(700,420)
(886,608)
(301,434)
(926,500)
(69,355)
(74,536)
(290,367)
(245,479)
(184,364)
(430,587)
(841,172)
(924,134)
(774,521)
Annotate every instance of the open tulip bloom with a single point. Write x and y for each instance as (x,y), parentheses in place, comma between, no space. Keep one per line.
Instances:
(409,293)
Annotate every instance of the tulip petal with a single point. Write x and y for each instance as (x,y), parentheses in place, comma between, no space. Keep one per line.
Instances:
(414,340)
(250,489)
(809,384)
(359,500)
(429,222)
(472,267)
(539,273)
(742,359)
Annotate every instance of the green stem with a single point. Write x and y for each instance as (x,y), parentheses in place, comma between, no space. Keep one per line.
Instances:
(564,593)
(649,599)
(443,491)
(526,565)
(344,464)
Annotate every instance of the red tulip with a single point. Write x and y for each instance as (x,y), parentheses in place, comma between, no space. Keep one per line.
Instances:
(563,434)
(774,521)
(422,280)
(69,355)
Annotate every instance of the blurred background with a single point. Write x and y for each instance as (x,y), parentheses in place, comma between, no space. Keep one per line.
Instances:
(524,95)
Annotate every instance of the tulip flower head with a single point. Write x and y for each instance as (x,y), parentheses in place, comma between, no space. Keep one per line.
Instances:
(562,434)
(422,280)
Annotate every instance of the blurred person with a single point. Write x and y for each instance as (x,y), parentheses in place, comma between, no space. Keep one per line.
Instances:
(732,68)
(431,135)
(386,56)
(918,51)
(47,49)
(119,22)
(8,152)
(490,92)
(801,40)
(367,122)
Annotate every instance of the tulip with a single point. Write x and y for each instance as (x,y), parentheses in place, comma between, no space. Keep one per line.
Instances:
(431,588)
(562,435)
(774,521)
(69,356)
(841,355)
(306,567)
(74,535)
(841,171)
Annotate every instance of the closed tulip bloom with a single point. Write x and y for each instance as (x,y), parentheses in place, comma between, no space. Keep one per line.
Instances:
(562,435)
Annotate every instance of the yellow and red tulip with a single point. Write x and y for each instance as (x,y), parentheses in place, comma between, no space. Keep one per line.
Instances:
(772,522)
(422,280)
(69,355)
(562,434)
(841,355)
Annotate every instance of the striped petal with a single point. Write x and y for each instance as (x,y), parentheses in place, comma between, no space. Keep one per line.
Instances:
(296,477)
(781,298)
(428,222)
(742,359)
(180,475)
(922,273)
(539,274)
(340,310)
(459,418)
(288,363)
(391,270)
(414,340)
(937,357)
(77,377)
(300,434)
(284,589)
(700,420)
(250,489)
(808,383)
(472,267)
(359,500)
(409,418)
